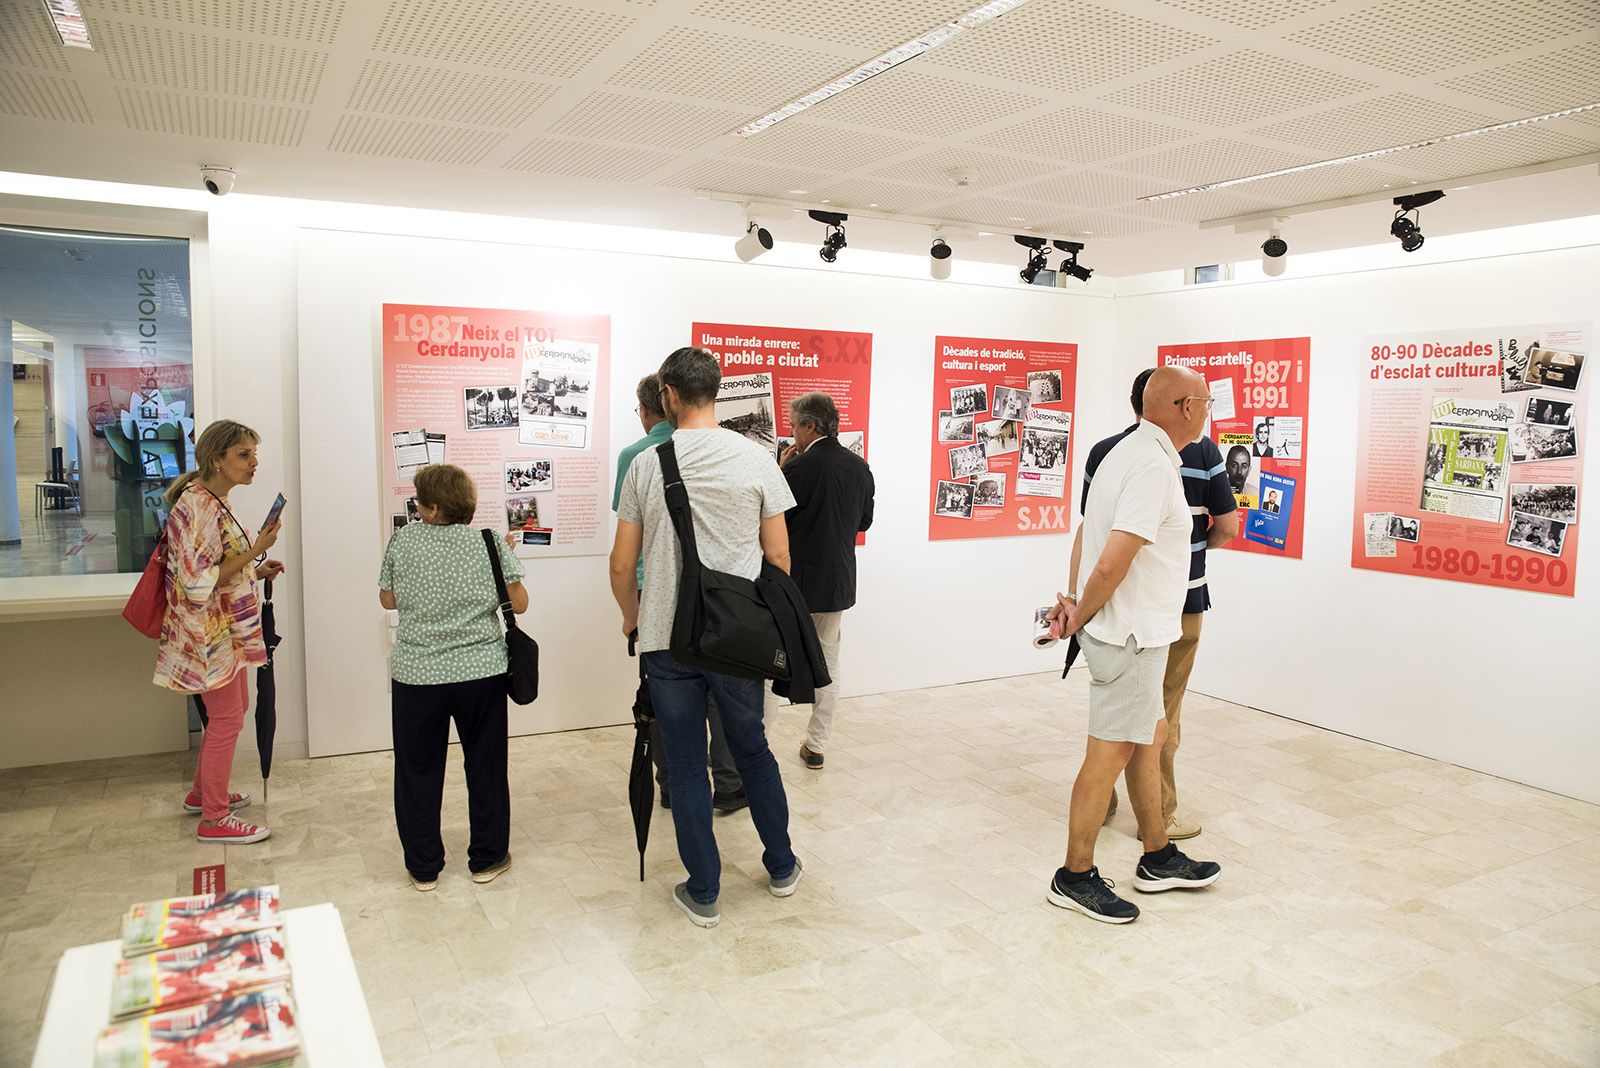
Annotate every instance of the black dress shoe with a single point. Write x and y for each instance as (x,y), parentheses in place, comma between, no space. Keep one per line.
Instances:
(730,802)
(810,757)
(666,802)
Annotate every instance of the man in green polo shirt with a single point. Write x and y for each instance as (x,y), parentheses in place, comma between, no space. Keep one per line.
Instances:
(727,788)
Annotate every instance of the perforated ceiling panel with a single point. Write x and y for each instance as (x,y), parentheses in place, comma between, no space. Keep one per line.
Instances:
(754,179)
(1452,32)
(1398,119)
(805,144)
(756,75)
(1195,209)
(299,20)
(1248,14)
(1066,45)
(999,213)
(157,55)
(1090,189)
(1210,161)
(874,27)
(907,102)
(643,121)
(875,194)
(584,159)
(1078,135)
(32,95)
(1097,226)
(367,135)
(1562,79)
(1492,152)
(156,111)
(26,39)
(532,36)
(409,91)
(1242,87)
(1309,187)
(983,170)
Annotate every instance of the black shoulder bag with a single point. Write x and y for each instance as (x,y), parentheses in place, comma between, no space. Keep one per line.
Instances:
(722,623)
(522,652)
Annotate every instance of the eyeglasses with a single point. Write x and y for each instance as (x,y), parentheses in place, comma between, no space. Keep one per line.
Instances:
(1209,401)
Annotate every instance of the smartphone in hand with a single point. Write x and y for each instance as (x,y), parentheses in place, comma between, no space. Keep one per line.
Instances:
(275,512)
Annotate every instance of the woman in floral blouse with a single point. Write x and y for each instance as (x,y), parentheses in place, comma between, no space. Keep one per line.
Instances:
(212,629)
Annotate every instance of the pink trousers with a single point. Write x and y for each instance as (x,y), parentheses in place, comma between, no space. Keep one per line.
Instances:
(225,708)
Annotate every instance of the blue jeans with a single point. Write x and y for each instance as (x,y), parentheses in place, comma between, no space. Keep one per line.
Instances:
(679,695)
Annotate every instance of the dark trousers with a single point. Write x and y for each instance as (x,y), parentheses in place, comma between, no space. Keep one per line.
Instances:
(725,781)
(421,717)
(679,695)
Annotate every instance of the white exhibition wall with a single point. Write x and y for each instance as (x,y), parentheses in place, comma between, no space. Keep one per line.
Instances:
(1487,678)
(929,613)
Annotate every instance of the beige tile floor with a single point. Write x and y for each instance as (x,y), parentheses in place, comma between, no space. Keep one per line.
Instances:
(1375,908)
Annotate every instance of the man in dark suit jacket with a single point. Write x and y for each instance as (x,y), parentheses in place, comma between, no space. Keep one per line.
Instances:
(833,491)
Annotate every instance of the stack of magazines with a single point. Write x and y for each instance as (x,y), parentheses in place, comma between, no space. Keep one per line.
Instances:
(204,982)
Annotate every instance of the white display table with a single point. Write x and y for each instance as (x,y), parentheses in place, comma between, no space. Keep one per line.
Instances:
(335,1029)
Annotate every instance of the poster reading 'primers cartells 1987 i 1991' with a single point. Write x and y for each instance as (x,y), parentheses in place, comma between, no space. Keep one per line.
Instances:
(1470,455)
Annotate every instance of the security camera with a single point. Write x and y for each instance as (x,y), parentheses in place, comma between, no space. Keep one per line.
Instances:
(218,180)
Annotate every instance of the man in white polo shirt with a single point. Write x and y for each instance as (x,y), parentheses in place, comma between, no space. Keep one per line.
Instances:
(1126,611)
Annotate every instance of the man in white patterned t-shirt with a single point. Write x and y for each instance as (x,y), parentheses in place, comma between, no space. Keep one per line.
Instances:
(737,497)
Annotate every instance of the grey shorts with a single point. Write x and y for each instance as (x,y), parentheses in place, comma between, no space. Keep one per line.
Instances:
(1125,702)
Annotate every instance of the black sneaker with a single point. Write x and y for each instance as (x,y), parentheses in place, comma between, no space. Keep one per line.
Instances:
(1091,896)
(730,802)
(1176,872)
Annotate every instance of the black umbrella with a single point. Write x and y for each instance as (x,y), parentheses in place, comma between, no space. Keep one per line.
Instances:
(267,690)
(1072,655)
(641,787)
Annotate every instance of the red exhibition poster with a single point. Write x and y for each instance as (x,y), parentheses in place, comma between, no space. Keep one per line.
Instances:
(766,367)
(515,398)
(1260,420)
(1469,460)
(1002,437)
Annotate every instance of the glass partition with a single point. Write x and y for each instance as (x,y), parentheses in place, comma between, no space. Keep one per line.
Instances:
(97,412)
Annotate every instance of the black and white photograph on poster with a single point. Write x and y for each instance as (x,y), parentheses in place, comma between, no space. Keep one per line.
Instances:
(855,441)
(1531,443)
(744,406)
(1551,501)
(397,521)
(953,427)
(1375,527)
(967,460)
(1261,437)
(410,452)
(954,499)
(1513,362)
(1010,403)
(1433,466)
(1044,387)
(1404,528)
(969,400)
(489,408)
(1043,450)
(538,536)
(558,393)
(1544,411)
(1554,369)
(436,448)
(1239,466)
(529,476)
(413,514)
(1536,533)
(522,513)
(989,490)
(999,436)
(1283,437)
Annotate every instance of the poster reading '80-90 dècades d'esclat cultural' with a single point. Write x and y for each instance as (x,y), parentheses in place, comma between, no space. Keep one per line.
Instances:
(1471,457)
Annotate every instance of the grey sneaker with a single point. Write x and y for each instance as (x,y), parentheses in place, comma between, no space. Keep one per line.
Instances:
(488,874)
(702,915)
(785,886)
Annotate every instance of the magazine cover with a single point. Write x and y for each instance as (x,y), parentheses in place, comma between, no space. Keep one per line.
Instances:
(182,921)
(252,1029)
(186,975)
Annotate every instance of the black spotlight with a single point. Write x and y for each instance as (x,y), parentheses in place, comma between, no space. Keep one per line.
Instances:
(1274,247)
(1070,264)
(834,240)
(1038,258)
(1409,230)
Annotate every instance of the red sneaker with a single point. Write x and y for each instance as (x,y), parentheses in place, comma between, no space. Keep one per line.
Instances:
(191,804)
(231,830)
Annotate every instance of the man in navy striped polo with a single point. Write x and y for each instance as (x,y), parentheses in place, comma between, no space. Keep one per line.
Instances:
(1216,522)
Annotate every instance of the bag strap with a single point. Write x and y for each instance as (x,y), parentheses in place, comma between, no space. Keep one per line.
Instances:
(499,578)
(678,503)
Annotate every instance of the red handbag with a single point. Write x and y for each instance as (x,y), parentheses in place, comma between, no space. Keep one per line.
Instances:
(147,606)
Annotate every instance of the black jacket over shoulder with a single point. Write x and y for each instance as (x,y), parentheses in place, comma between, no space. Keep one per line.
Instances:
(833,491)
(807,670)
